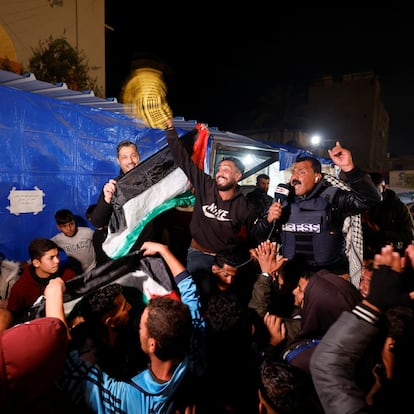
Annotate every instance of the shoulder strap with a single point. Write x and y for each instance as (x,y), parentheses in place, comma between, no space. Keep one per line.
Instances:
(328,193)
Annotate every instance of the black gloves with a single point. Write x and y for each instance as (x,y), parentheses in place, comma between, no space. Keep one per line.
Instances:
(386,289)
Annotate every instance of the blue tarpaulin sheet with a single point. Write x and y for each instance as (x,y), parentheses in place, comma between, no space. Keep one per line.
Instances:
(56,154)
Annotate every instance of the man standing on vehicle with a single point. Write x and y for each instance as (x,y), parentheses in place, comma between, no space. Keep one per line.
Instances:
(223,219)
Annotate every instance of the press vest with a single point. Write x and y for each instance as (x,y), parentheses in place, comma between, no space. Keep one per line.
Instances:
(310,231)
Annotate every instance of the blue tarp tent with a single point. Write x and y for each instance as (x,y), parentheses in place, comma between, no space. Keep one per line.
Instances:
(64,151)
(58,154)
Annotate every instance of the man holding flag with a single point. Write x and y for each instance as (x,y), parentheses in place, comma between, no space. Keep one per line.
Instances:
(128,158)
(223,219)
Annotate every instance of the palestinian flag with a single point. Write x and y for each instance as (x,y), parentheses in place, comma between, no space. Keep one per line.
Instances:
(145,276)
(154,186)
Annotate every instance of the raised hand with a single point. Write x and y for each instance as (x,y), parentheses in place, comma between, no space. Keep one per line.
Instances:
(266,255)
(342,157)
(386,288)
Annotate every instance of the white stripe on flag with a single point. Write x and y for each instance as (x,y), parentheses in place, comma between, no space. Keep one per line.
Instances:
(138,208)
(137,279)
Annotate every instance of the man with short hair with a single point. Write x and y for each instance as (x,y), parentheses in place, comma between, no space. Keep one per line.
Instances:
(170,333)
(75,241)
(228,274)
(105,318)
(222,219)
(128,158)
(312,221)
(286,389)
(259,197)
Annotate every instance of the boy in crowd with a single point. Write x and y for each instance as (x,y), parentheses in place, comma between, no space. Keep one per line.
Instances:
(75,241)
(45,265)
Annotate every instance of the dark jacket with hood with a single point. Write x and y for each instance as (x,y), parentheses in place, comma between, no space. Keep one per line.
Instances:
(326,296)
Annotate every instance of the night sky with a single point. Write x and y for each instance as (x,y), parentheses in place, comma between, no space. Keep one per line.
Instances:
(220,64)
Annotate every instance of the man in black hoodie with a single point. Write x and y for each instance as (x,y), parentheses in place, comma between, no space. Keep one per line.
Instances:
(222,219)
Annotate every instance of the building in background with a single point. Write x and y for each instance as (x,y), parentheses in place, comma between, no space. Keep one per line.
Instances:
(81,22)
(350,108)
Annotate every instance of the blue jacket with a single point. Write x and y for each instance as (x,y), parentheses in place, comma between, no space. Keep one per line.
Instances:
(143,394)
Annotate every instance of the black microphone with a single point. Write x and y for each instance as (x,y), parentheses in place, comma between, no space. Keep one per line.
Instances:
(282,193)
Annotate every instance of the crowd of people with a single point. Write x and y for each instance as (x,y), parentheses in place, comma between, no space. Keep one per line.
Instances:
(266,315)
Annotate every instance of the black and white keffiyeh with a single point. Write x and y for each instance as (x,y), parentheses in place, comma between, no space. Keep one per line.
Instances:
(352,231)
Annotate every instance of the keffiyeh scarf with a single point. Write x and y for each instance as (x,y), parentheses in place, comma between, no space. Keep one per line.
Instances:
(352,231)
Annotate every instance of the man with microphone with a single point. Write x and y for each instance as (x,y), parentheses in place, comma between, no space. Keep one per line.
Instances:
(311,216)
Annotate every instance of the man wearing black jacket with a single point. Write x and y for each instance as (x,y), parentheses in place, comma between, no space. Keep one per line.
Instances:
(312,221)
(388,222)
(335,360)
(128,158)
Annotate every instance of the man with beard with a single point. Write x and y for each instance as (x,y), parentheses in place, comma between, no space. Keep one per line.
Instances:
(259,197)
(223,219)
(312,221)
(104,330)
(128,158)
